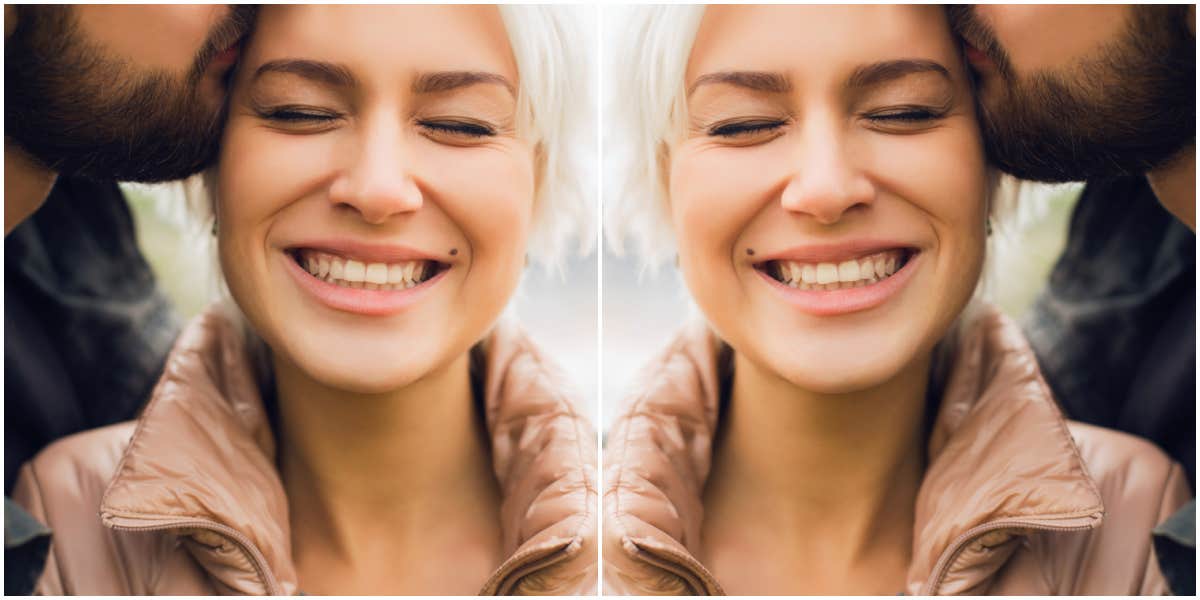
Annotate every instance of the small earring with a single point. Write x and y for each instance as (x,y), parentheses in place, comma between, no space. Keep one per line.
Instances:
(988,224)
(214,227)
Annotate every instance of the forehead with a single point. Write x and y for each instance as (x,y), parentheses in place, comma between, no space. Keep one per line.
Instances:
(386,40)
(812,41)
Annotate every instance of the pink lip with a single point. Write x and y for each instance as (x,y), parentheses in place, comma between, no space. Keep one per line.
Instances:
(828,303)
(227,56)
(813,253)
(367,252)
(977,58)
(375,303)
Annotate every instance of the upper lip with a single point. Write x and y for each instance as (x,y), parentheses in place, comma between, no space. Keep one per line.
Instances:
(835,252)
(367,252)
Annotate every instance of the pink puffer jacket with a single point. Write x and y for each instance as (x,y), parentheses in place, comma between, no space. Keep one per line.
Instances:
(1015,499)
(187,500)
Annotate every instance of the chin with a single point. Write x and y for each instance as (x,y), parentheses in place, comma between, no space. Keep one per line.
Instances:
(365,375)
(848,365)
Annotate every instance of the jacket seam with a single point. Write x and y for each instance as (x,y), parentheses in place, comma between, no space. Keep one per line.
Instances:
(634,408)
(590,492)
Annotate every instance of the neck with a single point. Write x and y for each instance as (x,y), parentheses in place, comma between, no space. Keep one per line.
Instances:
(1175,186)
(26,185)
(829,472)
(369,477)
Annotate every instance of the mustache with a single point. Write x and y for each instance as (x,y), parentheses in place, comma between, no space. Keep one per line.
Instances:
(975,32)
(226,34)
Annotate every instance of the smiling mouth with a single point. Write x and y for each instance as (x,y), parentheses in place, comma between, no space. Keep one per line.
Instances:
(863,271)
(359,274)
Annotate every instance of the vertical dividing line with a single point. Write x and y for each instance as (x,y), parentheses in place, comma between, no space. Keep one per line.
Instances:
(597,13)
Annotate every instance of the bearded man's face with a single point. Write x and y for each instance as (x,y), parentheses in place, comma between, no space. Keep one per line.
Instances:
(120,92)
(1070,93)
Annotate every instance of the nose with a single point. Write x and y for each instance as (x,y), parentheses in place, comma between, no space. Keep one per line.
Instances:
(827,181)
(377,182)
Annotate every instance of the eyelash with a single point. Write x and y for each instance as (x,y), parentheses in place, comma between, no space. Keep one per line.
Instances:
(899,116)
(288,115)
(907,114)
(464,128)
(742,128)
(296,115)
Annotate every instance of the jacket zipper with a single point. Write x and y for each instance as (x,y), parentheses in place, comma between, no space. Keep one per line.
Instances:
(960,543)
(257,560)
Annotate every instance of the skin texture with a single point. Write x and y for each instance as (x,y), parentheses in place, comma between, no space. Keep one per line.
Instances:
(823,431)
(383,455)
(1074,92)
(160,123)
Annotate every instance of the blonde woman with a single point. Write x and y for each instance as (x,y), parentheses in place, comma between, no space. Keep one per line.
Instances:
(847,418)
(359,423)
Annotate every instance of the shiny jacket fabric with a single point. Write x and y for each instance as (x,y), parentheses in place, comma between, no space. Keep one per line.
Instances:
(1014,500)
(187,500)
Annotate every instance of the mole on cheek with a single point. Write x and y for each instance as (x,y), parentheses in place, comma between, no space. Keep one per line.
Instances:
(750,251)
(454,252)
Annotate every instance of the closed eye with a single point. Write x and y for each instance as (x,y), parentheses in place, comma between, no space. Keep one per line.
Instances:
(460,128)
(742,128)
(297,115)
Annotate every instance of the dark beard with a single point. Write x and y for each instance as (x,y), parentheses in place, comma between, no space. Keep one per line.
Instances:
(1127,110)
(79,112)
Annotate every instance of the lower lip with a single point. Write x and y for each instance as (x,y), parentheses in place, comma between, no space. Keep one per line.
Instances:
(375,303)
(829,303)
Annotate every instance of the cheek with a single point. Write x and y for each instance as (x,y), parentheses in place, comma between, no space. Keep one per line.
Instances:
(489,193)
(714,195)
(942,174)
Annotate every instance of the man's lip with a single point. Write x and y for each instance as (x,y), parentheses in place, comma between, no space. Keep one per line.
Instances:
(367,252)
(836,252)
(228,56)
(978,58)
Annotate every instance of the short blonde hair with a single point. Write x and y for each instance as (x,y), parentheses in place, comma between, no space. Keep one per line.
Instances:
(645,105)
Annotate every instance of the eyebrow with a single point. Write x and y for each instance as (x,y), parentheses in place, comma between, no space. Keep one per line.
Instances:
(761,81)
(443,81)
(891,70)
(339,75)
(330,73)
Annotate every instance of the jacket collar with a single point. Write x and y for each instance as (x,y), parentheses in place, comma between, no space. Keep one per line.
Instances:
(1001,462)
(201,463)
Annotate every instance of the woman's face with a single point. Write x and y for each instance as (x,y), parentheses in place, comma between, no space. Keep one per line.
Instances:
(828,193)
(374,198)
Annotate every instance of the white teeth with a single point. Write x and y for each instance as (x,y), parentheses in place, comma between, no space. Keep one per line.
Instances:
(834,276)
(848,271)
(395,274)
(355,271)
(826,273)
(809,274)
(377,273)
(363,275)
